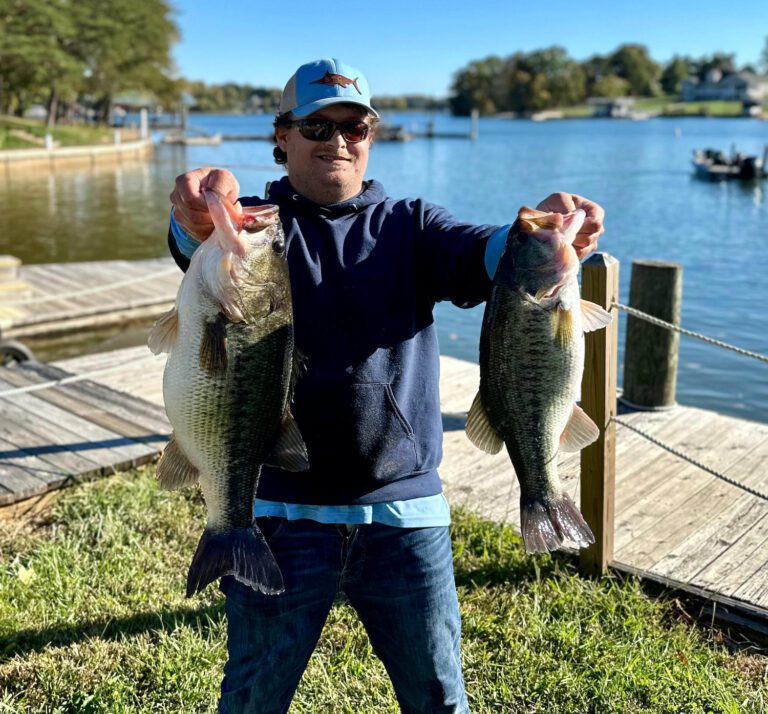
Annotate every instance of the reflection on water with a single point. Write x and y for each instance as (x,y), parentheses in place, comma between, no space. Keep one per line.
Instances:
(639,171)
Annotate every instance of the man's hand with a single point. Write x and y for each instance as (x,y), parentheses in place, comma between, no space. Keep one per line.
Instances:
(189,207)
(586,239)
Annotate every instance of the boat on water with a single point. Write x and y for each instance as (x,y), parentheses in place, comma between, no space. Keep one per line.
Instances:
(715,165)
(192,136)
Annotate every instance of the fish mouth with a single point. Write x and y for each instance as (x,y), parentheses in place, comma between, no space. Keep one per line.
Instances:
(572,223)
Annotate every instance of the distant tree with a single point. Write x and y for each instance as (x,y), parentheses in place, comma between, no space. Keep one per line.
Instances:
(633,63)
(764,57)
(677,69)
(610,86)
(722,62)
(564,81)
(125,45)
(477,87)
(35,58)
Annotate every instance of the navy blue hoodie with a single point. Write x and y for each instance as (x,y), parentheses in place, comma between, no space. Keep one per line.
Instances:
(365,276)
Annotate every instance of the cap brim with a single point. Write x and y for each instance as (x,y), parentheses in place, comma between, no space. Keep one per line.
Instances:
(311,107)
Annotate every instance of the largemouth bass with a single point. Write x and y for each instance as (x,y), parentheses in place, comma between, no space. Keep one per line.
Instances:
(227,388)
(531,363)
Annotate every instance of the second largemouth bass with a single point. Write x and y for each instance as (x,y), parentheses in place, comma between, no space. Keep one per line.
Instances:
(531,363)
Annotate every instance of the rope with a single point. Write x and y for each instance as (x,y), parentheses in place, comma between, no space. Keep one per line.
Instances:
(690,459)
(711,340)
(88,291)
(69,380)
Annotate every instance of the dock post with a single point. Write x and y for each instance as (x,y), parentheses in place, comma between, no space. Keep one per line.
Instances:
(600,284)
(475,124)
(650,355)
(143,123)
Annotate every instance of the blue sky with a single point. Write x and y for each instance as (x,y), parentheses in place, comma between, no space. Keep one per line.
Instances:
(405,46)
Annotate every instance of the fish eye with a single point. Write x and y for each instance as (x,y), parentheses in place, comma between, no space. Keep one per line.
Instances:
(278,246)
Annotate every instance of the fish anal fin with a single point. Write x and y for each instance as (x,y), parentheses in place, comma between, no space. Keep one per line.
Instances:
(164,332)
(290,451)
(479,429)
(213,347)
(580,431)
(174,470)
(594,317)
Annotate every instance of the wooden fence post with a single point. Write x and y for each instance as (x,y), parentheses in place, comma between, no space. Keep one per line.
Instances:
(600,284)
(650,357)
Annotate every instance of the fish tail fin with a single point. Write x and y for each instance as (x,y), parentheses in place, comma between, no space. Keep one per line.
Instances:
(354,82)
(243,553)
(545,526)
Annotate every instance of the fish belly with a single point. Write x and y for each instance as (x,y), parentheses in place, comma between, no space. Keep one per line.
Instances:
(226,422)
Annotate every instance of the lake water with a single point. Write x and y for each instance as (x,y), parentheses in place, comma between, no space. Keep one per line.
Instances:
(639,171)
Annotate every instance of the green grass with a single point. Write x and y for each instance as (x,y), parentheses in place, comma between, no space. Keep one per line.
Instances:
(65,134)
(668,105)
(93,619)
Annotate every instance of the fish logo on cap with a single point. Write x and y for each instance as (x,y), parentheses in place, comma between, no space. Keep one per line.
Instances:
(337,79)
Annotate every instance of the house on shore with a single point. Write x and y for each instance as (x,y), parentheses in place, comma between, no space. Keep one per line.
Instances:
(746,87)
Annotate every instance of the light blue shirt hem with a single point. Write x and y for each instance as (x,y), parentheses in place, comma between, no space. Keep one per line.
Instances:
(415,513)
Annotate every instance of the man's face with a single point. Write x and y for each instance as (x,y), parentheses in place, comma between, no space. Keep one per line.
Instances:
(326,171)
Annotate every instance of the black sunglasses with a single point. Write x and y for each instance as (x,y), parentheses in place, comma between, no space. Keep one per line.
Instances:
(324,129)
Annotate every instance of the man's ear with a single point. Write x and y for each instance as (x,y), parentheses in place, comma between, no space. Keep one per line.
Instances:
(280,136)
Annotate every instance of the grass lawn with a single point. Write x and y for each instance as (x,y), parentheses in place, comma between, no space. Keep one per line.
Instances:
(93,619)
(18,133)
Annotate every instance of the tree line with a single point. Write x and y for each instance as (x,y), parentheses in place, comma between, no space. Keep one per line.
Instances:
(70,53)
(546,78)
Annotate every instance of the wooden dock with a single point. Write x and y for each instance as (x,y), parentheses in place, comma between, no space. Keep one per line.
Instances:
(55,298)
(675,523)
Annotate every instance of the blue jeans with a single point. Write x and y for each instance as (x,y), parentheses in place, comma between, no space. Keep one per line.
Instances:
(400,582)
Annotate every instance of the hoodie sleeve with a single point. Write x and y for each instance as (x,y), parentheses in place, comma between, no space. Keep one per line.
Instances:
(451,256)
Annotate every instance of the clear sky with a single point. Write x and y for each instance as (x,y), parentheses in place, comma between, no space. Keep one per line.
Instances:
(407,46)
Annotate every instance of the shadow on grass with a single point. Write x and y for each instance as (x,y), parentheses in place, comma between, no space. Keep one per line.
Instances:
(27,641)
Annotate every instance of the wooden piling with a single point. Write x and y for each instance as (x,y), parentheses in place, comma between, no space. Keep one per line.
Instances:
(650,356)
(600,284)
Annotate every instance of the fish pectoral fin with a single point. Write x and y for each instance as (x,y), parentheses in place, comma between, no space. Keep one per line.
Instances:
(164,332)
(213,347)
(174,470)
(594,317)
(479,429)
(562,326)
(580,431)
(290,451)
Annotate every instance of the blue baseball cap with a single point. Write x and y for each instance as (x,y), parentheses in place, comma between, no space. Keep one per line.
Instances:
(324,82)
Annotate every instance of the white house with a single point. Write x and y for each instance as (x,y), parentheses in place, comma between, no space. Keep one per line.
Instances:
(739,86)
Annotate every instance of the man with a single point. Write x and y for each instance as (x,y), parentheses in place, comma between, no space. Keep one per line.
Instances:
(369,517)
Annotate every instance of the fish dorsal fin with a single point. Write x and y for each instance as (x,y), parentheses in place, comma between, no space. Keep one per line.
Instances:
(174,469)
(479,429)
(580,431)
(594,317)
(164,332)
(290,451)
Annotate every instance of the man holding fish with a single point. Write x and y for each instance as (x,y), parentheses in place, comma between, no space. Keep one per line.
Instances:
(349,499)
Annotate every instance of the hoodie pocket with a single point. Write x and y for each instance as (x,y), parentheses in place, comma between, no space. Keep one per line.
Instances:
(361,430)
